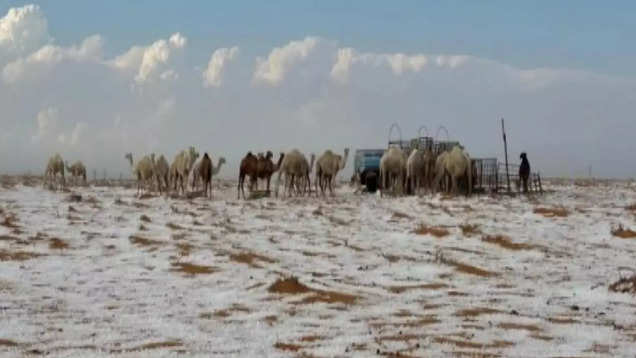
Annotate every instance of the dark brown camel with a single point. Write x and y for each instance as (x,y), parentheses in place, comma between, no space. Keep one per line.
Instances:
(266,167)
(205,173)
(249,167)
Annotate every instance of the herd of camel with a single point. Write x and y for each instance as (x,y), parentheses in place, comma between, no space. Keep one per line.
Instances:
(419,170)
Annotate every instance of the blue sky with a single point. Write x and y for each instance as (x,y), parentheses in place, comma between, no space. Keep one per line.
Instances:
(585,34)
(94,80)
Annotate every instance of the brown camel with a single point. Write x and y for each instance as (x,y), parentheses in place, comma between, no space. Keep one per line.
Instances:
(249,167)
(266,167)
(205,173)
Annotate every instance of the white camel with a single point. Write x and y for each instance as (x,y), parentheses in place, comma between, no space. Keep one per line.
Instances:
(143,171)
(458,166)
(440,171)
(181,167)
(161,172)
(54,166)
(416,170)
(393,170)
(77,171)
(193,177)
(294,167)
(327,168)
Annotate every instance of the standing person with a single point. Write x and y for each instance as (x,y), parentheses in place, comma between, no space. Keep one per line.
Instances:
(524,171)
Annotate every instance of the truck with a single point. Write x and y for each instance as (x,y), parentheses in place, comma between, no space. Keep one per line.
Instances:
(366,167)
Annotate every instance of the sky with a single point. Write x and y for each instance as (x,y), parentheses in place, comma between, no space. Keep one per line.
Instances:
(95,80)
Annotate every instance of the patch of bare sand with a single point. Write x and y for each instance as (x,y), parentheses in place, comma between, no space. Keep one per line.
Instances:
(519,326)
(562,320)
(506,243)
(428,286)
(291,286)
(155,345)
(469,344)
(469,230)
(193,269)
(624,233)
(435,231)
(477,311)
(287,347)
(58,244)
(469,269)
(142,241)
(224,313)
(6,255)
(552,212)
(251,259)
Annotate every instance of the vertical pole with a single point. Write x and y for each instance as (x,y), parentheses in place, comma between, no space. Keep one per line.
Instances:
(503,130)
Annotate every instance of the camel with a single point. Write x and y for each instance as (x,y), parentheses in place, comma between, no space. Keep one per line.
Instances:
(55,166)
(181,167)
(327,168)
(393,170)
(193,177)
(458,165)
(294,166)
(440,173)
(143,170)
(248,167)
(266,167)
(161,171)
(416,170)
(77,170)
(206,171)
(303,185)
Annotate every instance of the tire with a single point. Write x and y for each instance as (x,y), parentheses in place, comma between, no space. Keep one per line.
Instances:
(372,182)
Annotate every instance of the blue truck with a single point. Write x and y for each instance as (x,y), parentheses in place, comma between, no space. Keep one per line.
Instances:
(366,167)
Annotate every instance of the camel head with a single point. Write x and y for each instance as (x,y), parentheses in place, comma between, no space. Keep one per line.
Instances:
(343,161)
(193,154)
(269,154)
(129,157)
(221,161)
(523,156)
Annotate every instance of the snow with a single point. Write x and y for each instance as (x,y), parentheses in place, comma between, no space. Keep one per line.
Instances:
(117,289)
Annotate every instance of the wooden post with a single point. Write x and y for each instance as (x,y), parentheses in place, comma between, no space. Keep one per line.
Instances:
(503,130)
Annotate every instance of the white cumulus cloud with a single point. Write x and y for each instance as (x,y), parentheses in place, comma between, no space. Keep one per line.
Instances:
(151,62)
(22,30)
(213,74)
(398,63)
(49,55)
(273,69)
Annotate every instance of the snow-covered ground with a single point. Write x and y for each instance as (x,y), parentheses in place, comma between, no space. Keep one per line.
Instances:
(354,275)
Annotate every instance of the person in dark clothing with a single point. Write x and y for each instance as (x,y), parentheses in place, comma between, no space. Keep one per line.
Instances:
(524,171)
